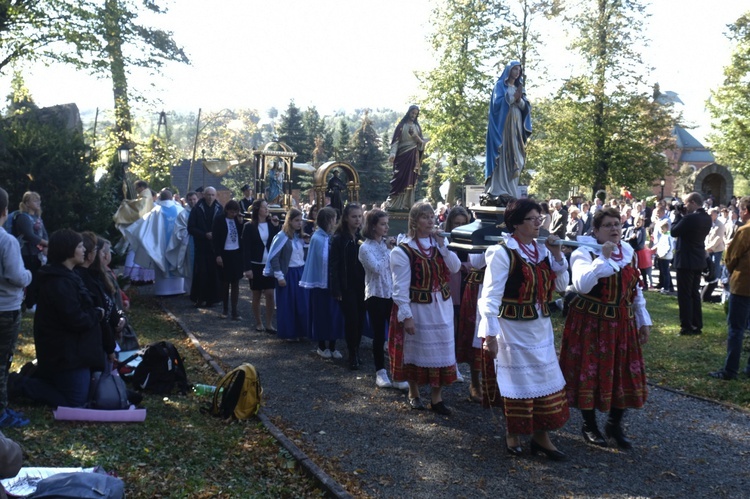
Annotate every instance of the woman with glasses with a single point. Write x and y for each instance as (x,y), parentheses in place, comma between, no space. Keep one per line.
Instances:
(606,325)
(519,280)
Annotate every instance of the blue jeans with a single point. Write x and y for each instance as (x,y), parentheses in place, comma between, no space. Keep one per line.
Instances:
(69,388)
(737,320)
(716,259)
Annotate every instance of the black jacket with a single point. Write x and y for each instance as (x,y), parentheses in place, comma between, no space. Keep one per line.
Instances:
(690,232)
(102,298)
(220,234)
(201,221)
(67,334)
(346,275)
(252,244)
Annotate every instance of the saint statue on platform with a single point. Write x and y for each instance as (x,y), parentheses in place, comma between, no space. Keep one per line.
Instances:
(407,148)
(508,129)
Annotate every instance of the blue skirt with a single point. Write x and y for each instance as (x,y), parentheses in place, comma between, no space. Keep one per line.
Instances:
(326,319)
(292,305)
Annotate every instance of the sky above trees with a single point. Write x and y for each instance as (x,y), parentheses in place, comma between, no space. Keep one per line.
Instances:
(262,54)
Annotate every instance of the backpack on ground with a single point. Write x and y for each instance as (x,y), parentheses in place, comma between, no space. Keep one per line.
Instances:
(108,391)
(238,395)
(161,370)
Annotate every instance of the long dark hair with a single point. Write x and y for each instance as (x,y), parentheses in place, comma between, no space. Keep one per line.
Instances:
(342,229)
(255,211)
(396,134)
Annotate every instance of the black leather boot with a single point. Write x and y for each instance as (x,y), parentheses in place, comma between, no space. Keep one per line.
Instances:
(590,431)
(613,429)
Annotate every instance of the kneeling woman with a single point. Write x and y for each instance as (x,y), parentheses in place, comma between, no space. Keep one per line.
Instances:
(286,262)
(67,334)
(519,280)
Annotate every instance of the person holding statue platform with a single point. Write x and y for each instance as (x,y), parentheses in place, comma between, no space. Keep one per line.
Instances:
(508,129)
(421,343)
(519,281)
(606,325)
(407,148)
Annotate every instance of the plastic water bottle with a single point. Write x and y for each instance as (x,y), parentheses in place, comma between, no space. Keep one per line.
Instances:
(200,389)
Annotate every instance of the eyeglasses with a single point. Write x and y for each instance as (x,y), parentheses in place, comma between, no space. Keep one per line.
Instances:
(615,225)
(537,220)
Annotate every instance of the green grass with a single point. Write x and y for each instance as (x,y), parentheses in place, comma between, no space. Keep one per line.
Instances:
(683,362)
(177,451)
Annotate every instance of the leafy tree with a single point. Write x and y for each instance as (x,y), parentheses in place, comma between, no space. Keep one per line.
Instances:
(19,99)
(369,161)
(729,105)
(154,162)
(292,133)
(454,109)
(603,129)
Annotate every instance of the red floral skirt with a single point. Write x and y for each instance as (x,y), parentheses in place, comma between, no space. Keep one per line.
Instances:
(433,376)
(602,362)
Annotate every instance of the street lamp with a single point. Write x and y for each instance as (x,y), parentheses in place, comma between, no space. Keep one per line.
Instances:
(661,183)
(123,154)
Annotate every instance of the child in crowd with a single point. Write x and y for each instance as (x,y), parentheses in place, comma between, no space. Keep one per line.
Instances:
(286,262)
(327,324)
(664,255)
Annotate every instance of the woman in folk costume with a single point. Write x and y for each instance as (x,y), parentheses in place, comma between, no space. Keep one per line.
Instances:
(326,321)
(468,344)
(421,343)
(519,280)
(286,262)
(607,322)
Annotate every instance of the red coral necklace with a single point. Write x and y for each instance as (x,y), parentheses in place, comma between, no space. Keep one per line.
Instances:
(533,255)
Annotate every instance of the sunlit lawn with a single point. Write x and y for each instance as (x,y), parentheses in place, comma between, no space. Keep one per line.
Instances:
(683,362)
(177,451)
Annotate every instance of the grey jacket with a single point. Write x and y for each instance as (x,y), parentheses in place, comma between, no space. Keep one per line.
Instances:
(13,275)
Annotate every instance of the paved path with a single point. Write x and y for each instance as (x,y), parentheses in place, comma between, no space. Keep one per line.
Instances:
(684,447)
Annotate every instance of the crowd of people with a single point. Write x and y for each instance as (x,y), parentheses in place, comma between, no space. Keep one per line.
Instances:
(331,276)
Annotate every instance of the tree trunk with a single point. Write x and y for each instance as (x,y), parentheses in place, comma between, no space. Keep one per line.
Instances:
(113,38)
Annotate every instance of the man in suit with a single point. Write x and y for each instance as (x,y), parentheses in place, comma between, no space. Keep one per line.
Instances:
(690,232)
(559,223)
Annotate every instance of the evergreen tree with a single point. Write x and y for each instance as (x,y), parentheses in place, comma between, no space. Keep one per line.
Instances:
(730,104)
(19,99)
(293,134)
(369,161)
(342,151)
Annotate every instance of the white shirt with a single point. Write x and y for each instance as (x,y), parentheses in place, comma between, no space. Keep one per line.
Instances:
(375,258)
(232,242)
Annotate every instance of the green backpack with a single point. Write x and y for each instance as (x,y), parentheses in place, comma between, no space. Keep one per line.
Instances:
(238,395)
